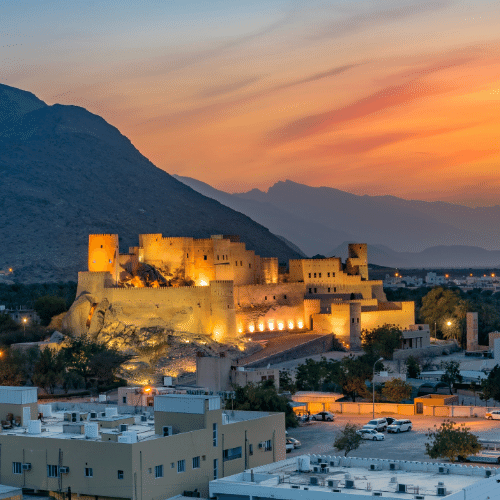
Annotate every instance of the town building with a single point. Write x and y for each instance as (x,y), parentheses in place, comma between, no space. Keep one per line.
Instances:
(347,478)
(219,288)
(21,315)
(106,454)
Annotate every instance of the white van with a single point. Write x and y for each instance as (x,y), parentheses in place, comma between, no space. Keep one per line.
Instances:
(400,426)
(493,415)
(379,424)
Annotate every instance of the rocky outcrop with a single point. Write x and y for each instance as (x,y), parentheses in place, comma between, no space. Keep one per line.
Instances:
(75,320)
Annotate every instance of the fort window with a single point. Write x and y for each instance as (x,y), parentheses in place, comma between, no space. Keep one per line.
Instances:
(353,320)
(328,290)
(310,290)
(249,266)
(101,246)
(320,275)
(204,257)
(217,257)
(236,263)
(187,256)
(284,296)
(315,290)
(309,275)
(159,470)
(265,298)
(334,289)
(274,297)
(120,474)
(328,275)
(89,472)
(315,275)
(357,320)
(241,262)
(333,275)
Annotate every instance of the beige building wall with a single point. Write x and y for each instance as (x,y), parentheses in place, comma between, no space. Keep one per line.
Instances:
(17,411)
(214,373)
(400,314)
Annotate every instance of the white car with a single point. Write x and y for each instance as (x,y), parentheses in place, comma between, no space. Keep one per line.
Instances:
(289,445)
(400,426)
(296,443)
(370,434)
(493,415)
(379,424)
(324,415)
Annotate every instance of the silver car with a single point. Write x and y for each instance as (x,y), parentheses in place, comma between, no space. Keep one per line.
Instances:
(370,434)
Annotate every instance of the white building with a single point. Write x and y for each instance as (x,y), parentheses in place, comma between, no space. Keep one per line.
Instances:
(315,477)
(434,279)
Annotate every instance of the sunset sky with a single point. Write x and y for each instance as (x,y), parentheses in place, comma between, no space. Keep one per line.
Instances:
(398,97)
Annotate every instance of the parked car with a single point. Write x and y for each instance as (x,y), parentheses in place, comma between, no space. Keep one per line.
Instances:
(370,434)
(296,443)
(400,426)
(289,445)
(493,415)
(379,424)
(324,415)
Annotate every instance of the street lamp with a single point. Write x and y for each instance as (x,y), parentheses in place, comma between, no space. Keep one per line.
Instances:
(25,320)
(373,384)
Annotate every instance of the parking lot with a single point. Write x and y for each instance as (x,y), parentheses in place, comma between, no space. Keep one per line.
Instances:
(318,437)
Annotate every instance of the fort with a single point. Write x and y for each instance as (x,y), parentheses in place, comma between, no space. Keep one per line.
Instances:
(217,287)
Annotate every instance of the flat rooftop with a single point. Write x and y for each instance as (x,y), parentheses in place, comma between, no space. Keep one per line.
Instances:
(357,478)
(53,426)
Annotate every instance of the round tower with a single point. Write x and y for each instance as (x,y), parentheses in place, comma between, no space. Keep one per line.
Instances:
(223,317)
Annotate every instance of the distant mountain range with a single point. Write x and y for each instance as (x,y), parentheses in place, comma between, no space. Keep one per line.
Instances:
(401,233)
(65,173)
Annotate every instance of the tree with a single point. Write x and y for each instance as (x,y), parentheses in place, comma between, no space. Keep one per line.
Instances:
(348,440)
(7,324)
(310,375)
(451,373)
(412,367)
(286,382)
(264,397)
(351,374)
(48,371)
(381,341)
(451,442)
(490,387)
(49,306)
(396,390)
(442,306)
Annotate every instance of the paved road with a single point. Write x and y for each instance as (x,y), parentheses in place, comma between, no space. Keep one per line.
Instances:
(318,437)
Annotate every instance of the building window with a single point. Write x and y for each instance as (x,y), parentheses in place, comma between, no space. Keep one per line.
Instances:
(265,298)
(315,275)
(214,433)
(124,400)
(315,290)
(328,290)
(334,289)
(17,468)
(320,275)
(181,466)
(328,274)
(205,257)
(274,297)
(236,263)
(310,290)
(216,468)
(120,474)
(333,275)
(158,471)
(89,472)
(309,275)
(284,296)
(250,449)
(231,454)
(51,470)
(352,320)
(268,445)
(196,462)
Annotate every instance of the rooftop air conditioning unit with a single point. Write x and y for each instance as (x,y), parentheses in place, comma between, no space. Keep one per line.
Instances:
(144,418)
(74,417)
(393,466)
(167,431)
(375,467)
(334,463)
(325,470)
(63,470)
(26,466)
(123,427)
(401,488)
(295,486)
(316,468)
(441,491)
(444,470)
(332,483)
(488,472)
(93,414)
(313,480)
(103,414)
(337,490)
(349,483)
(377,494)
(419,497)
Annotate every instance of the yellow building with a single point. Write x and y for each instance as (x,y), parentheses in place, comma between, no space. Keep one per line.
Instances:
(191,441)
(216,286)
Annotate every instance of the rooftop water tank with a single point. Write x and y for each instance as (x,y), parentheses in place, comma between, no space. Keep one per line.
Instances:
(34,427)
(91,430)
(304,463)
